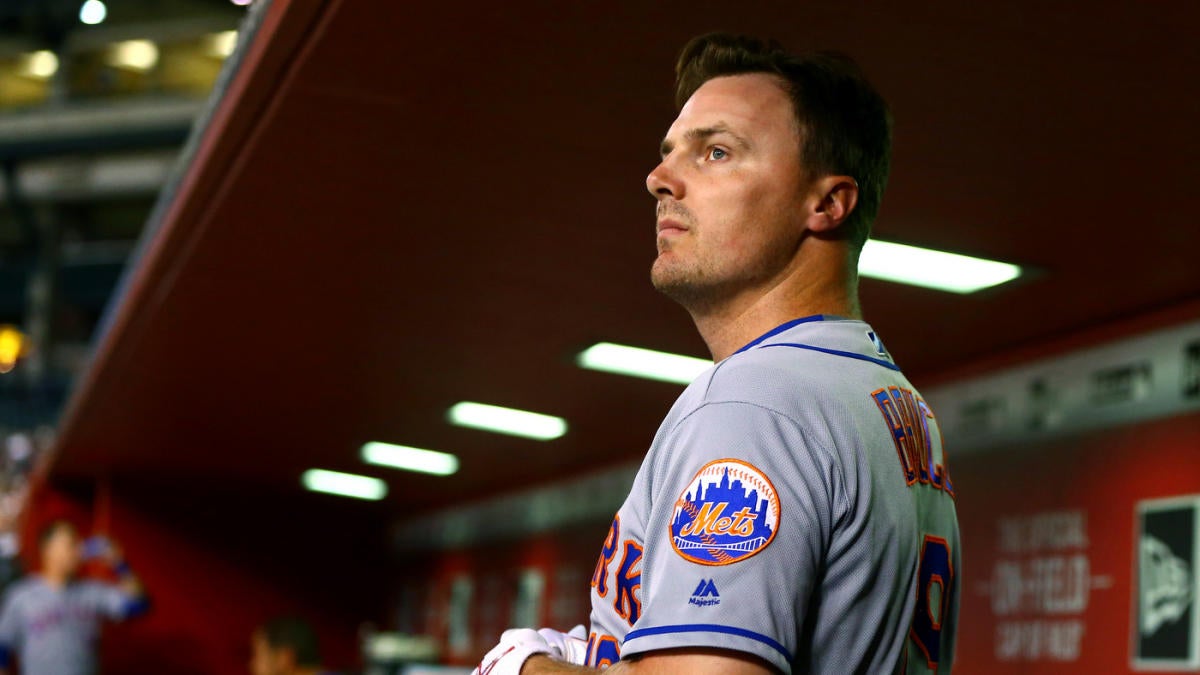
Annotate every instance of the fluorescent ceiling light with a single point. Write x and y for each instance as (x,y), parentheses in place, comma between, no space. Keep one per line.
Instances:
(92,12)
(932,269)
(344,484)
(139,55)
(638,362)
(507,421)
(221,44)
(42,64)
(410,459)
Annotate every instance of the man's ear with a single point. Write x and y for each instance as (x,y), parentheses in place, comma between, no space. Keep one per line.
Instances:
(831,200)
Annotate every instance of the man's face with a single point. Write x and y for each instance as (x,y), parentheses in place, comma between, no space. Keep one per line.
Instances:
(729,189)
(264,659)
(63,552)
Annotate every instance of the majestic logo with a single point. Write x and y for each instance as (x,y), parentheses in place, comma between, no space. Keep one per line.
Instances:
(705,594)
(878,344)
(729,512)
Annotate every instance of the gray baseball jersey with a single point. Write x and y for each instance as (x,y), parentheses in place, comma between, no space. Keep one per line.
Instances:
(54,631)
(795,505)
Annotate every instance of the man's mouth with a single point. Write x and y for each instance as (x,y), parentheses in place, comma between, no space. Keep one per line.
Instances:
(667,226)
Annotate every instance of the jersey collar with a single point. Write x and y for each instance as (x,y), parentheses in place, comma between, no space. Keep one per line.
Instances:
(781,328)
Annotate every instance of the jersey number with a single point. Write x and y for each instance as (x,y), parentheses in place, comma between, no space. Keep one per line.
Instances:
(935,579)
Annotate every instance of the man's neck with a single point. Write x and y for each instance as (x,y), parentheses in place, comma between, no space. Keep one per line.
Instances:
(55,579)
(730,325)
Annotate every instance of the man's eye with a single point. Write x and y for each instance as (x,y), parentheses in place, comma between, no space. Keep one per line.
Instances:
(717,153)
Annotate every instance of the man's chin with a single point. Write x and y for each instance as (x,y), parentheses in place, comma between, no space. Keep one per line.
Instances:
(662,277)
(673,284)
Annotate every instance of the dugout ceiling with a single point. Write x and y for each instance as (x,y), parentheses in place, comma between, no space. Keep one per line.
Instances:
(397,206)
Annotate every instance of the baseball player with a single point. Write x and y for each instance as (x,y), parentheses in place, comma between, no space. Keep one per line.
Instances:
(51,620)
(795,512)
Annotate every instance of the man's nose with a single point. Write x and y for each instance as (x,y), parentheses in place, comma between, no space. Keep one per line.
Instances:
(664,182)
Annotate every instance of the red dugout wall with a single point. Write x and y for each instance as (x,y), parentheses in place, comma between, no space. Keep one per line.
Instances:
(1049,546)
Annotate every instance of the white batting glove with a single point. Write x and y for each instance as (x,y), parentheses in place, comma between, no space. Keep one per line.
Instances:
(570,647)
(516,646)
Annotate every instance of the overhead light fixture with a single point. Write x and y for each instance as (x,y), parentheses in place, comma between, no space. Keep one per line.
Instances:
(139,55)
(410,459)
(42,64)
(507,421)
(638,362)
(932,269)
(93,12)
(222,44)
(344,484)
(241,3)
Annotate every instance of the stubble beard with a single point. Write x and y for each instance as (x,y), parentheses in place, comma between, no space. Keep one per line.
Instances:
(703,287)
(688,282)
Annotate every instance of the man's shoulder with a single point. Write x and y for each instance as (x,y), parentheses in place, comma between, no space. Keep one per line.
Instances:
(25,587)
(744,391)
(826,358)
(768,376)
(820,391)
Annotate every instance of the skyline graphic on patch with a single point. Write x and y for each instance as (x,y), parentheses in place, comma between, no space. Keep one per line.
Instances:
(729,512)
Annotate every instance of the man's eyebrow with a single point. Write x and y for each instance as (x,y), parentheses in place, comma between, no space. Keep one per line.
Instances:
(703,133)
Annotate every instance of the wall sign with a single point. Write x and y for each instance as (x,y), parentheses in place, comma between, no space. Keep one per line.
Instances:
(1041,586)
(1166,624)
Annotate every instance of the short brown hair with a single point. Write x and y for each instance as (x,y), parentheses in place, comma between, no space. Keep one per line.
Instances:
(48,530)
(845,125)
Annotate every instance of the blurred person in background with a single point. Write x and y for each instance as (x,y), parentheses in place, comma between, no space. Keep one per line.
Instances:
(285,646)
(51,620)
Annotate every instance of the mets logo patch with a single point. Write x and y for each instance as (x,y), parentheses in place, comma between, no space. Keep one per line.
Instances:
(729,512)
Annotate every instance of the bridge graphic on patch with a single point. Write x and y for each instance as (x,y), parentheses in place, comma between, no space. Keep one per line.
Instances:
(728,512)
(743,546)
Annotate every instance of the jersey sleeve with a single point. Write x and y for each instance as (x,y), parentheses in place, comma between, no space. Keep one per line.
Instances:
(108,600)
(742,506)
